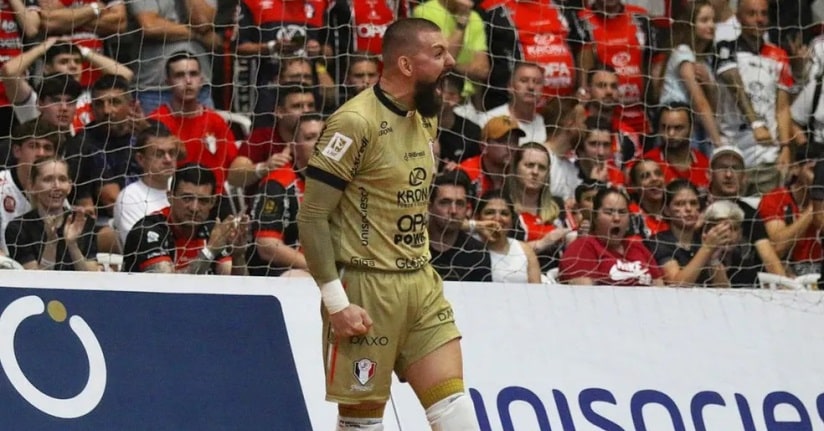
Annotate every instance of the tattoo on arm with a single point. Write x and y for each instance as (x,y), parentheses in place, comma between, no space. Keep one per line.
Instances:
(733,80)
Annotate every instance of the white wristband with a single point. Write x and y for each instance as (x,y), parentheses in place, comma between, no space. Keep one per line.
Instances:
(261,170)
(96,9)
(207,253)
(84,52)
(758,124)
(333,296)
(472,225)
(271,45)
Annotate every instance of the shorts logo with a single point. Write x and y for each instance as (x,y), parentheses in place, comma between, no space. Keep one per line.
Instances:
(337,146)
(9,204)
(364,370)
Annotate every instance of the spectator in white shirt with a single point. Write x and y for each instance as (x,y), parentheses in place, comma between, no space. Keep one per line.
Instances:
(525,90)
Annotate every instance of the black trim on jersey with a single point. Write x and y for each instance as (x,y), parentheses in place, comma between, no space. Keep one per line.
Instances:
(16,179)
(325,177)
(388,103)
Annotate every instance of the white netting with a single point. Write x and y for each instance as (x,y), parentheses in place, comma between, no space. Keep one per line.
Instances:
(641,72)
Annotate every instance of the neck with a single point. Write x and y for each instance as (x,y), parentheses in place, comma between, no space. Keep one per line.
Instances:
(800,196)
(186,229)
(285,134)
(522,111)
(500,245)
(159,182)
(530,200)
(701,46)
(683,236)
(23,172)
(754,41)
(447,119)
(400,91)
(652,207)
(560,142)
(46,212)
(442,240)
(186,108)
(678,156)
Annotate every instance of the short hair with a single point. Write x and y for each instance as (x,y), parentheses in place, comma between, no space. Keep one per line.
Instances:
(675,107)
(180,56)
(289,88)
(586,186)
(522,65)
(35,129)
(599,67)
(495,194)
(401,36)
(600,122)
(723,210)
(61,48)
(635,168)
(193,173)
(557,109)
(361,57)
(676,186)
(111,82)
(155,129)
(59,84)
(310,116)
(456,177)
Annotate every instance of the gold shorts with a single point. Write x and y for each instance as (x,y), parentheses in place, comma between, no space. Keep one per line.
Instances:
(410,319)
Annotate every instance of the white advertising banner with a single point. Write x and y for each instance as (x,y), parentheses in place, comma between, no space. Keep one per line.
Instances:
(573,358)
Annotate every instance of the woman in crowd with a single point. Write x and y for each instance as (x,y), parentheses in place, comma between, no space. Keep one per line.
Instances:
(740,256)
(647,191)
(52,236)
(686,73)
(606,256)
(687,255)
(539,214)
(513,261)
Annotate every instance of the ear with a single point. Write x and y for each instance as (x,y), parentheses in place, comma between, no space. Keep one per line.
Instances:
(15,150)
(405,65)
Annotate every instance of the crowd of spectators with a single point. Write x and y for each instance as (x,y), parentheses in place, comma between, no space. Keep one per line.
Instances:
(580,143)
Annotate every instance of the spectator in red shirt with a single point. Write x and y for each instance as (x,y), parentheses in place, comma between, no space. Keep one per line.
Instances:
(646,186)
(293,101)
(606,256)
(788,216)
(596,156)
(674,154)
(207,138)
(602,99)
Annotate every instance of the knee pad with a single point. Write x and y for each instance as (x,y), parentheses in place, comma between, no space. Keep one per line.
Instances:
(454,413)
(359,424)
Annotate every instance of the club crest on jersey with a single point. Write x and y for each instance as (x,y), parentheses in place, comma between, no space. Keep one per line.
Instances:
(9,204)
(364,370)
(337,146)
(211,143)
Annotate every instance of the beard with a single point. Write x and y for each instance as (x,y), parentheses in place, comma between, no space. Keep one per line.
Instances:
(427,100)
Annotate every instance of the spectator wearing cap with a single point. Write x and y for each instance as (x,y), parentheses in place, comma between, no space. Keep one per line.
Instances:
(60,58)
(30,141)
(674,153)
(156,151)
(499,141)
(459,137)
(727,179)
(525,90)
(788,216)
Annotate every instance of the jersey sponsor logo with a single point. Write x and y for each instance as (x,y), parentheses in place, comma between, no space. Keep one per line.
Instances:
(364,214)
(9,26)
(210,141)
(412,230)
(363,370)
(9,204)
(152,236)
(417,176)
(270,206)
(368,340)
(404,263)
(371,30)
(362,261)
(624,271)
(359,156)
(621,59)
(412,197)
(385,129)
(337,146)
(413,155)
(546,50)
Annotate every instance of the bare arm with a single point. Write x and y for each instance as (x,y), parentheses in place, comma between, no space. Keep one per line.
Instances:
(785,128)
(533,268)
(13,73)
(27,19)
(58,19)
(771,261)
(783,237)
(732,79)
(700,102)
(156,27)
(674,274)
(201,13)
(112,20)
(274,251)
(586,61)
(477,69)
(107,65)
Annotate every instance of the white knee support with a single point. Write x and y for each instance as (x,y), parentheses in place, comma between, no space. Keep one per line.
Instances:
(359,424)
(454,413)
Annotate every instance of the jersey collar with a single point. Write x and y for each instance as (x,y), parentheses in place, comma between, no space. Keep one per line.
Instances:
(389,104)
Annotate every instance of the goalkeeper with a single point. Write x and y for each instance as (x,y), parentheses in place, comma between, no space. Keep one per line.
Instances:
(362,226)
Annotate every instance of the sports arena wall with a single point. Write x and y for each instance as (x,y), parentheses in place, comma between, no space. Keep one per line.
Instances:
(208,353)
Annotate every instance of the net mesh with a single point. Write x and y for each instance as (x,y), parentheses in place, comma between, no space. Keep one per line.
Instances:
(606,94)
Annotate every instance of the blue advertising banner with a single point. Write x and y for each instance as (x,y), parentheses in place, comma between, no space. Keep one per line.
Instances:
(104,360)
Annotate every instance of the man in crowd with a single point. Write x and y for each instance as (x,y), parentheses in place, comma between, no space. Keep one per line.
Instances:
(487,171)
(673,153)
(182,237)
(525,90)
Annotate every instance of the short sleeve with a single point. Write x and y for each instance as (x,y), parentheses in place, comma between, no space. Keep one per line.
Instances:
(476,42)
(341,149)
(145,245)
(140,6)
(681,54)
(725,58)
(770,207)
(662,251)
(22,246)
(268,210)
